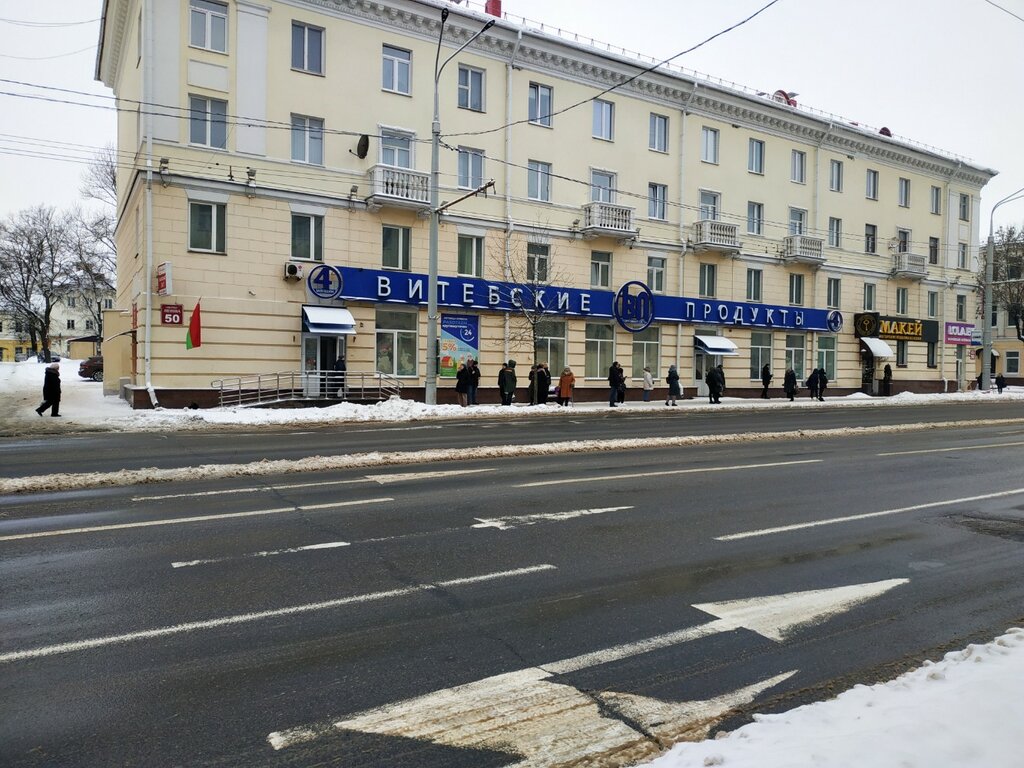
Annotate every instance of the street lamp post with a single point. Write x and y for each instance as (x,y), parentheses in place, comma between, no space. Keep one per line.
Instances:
(430,394)
(986,320)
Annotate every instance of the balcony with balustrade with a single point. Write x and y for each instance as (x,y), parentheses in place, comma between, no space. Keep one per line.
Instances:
(910,265)
(802,249)
(714,235)
(398,188)
(608,220)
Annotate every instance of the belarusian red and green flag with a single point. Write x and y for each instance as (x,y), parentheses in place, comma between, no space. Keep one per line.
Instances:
(195,329)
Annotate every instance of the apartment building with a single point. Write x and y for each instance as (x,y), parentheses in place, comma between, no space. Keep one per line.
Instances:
(282,180)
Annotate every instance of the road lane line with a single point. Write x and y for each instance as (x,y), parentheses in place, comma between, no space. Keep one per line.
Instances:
(695,470)
(403,477)
(865,516)
(950,450)
(506,523)
(178,629)
(265,553)
(196,519)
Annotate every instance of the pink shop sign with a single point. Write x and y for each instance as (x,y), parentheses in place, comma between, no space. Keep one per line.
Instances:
(959,333)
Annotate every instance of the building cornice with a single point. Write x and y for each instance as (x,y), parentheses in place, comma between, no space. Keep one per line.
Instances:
(113,26)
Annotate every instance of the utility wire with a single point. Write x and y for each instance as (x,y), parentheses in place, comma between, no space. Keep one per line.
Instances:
(1004,10)
(47,24)
(43,58)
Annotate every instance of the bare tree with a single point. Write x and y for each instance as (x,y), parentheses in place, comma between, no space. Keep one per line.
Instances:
(1008,275)
(99,181)
(38,268)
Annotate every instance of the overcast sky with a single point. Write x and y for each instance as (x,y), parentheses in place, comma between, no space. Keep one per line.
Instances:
(946,73)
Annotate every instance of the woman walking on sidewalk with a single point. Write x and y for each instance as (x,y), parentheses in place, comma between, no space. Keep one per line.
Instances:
(672,379)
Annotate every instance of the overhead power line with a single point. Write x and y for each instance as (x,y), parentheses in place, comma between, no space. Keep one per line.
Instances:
(47,24)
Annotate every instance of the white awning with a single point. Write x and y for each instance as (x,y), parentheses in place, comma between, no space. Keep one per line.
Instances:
(715,345)
(332,321)
(995,353)
(877,347)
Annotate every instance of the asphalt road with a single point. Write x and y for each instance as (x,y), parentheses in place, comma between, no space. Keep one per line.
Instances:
(481,613)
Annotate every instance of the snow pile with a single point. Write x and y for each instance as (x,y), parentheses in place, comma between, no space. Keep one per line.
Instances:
(966,710)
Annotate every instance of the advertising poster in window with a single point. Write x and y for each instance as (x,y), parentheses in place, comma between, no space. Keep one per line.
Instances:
(460,341)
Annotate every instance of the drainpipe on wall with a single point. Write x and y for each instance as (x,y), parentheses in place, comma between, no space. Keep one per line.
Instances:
(509,225)
(682,215)
(148,99)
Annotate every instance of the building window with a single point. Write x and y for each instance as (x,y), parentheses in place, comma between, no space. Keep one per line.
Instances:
(755,218)
(396,343)
(871,185)
(1012,362)
(961,308)
(904,193)
(798,167)
(827,355)
(396,149)
(902,300)
(396,246)
(834,293)
(471,168)
(604,120)
(602,187)
(709,145)
(933,250)
(471,256)
(755,281)
(870,238)
(536,263)
(71,325)
(108,303)
(600,269)
(657,134)
(307,140)
(656,273)
(206,227)
(540,101)
(307,237)
(796,290)
(933,304)
(538,181)
(932,356)
(208,122)
(965,207)
(755,156)
(760,352)
(646,350)
(869,297)
(994,318)
(961,255)
(471,88)
(657,201)
(835,175)
(397,66)
(901,354)
(797,219)
(70,301)
(599,350)
(903,241)
(208,25)
(795,354)
(936,200)
(550,344)
(709,205)
(708,274)
(88,325)
(835,232)
(307,48)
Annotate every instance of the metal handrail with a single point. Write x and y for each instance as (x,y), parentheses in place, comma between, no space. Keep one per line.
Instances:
(316,385)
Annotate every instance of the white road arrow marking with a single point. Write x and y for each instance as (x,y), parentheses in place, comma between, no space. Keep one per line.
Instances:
(264,553)
(550,723)
(506,523)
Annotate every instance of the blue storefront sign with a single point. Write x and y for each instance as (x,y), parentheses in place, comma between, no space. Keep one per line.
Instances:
(387,287)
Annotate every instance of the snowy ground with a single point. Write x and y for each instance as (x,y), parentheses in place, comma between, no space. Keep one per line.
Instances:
(966,709)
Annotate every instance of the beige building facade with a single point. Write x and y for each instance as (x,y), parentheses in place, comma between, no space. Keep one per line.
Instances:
(282,181)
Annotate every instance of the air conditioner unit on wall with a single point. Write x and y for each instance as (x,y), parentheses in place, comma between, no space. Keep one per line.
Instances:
(294,271)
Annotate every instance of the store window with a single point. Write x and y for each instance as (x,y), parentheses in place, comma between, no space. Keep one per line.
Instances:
(795,354)
(827,355)
(396,342)
(901,353)
(550,344)
(760,353)
(599,350)
(646,350)
(1012,362)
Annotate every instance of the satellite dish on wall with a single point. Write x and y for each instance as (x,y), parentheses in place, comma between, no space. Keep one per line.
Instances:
(362,147)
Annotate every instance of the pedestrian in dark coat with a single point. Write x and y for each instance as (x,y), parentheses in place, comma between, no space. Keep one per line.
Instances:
(339,376)
(507,382)
(1000,383)
(812,384)
(672,379)
(51,390)
(766,379)
(474,380)
(822,383)
(543,383)
(789,384)
(616,381)
(713,378)
(887,380)
(531,388)
(462,384)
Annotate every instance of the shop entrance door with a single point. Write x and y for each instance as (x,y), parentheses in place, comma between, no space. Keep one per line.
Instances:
(701,363)
(319,354)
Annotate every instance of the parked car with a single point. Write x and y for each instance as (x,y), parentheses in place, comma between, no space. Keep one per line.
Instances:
(41,357)
(92,368)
